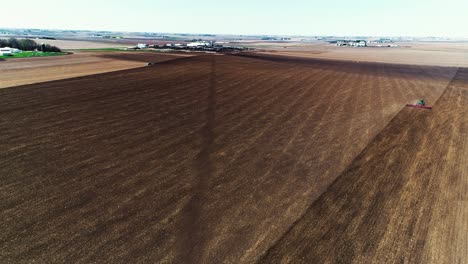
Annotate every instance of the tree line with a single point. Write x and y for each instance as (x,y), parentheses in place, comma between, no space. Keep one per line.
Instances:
(27,45)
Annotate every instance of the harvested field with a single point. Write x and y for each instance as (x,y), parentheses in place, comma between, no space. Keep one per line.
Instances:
(404,199)
(33,70)
(82,44)
(132,41)
(208,159)
(436,54)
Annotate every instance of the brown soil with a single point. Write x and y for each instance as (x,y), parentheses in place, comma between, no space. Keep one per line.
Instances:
(404,199)
(145,56)
(208,159)
(33,70)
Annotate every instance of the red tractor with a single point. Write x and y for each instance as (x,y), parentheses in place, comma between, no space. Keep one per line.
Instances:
(420,104)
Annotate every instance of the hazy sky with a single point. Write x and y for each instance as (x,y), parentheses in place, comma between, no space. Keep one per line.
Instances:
(286,17)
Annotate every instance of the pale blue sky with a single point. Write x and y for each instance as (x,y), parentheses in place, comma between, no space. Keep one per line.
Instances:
(288,17)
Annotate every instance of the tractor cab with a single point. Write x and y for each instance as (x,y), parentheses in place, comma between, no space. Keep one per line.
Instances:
(420,104)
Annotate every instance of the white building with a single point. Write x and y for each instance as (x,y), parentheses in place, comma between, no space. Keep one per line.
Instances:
(362,43)
(8,51)
(198,44)
(142,46)
(352,43)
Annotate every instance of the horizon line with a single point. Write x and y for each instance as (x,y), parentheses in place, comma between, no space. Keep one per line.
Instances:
(232,34)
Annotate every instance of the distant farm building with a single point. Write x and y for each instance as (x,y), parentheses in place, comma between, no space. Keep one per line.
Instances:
(6,51)
(142,46)
(199,44)
(351,43)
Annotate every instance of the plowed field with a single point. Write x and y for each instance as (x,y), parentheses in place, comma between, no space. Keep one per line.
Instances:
(404,199)
(203,159)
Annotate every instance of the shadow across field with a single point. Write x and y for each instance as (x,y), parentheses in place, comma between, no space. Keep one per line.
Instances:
(195,229)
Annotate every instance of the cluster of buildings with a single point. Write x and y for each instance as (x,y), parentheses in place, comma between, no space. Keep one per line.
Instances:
(366,43)
(201,44)
(209,46)
(352,43)
(6,51)
(174,45)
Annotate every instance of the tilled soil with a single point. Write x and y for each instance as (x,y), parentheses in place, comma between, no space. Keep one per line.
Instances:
(205,159)
(404,199)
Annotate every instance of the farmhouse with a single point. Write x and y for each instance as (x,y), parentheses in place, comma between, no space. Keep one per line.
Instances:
(6,51)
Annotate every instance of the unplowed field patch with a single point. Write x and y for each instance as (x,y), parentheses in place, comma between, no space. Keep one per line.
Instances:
(16,72)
